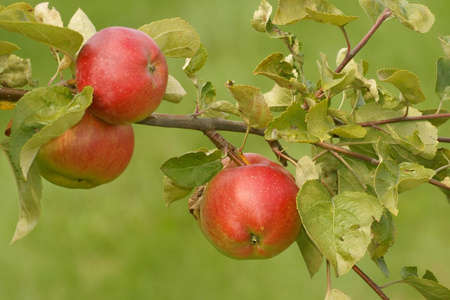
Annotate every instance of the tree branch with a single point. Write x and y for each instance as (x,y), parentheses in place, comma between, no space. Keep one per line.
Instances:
(369,281)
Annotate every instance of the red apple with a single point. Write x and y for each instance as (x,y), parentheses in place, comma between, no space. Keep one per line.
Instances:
(250,212)
(256,158)
(91,153)
(128,72)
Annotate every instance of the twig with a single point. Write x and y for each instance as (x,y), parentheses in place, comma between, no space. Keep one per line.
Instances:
(404,119)
(223,145)
(369,281)
(351,53)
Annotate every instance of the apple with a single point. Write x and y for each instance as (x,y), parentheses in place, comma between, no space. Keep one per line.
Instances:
(256,158)
(128,72)
(249,212)
(91,153)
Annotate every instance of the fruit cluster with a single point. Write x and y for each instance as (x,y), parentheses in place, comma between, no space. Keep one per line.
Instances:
(129,74)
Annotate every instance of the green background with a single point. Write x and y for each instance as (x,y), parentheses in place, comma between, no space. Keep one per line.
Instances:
(119,241)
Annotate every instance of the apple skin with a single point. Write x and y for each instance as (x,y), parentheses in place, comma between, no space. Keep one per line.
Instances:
(250,212)
(91,153)
(128,72)
(256,158)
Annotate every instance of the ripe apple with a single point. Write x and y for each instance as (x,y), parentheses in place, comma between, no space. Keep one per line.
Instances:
(128,72)
(250,212)
(90,153)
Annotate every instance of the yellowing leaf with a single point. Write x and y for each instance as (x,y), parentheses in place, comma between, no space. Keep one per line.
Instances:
(414,16)
(175,37)
(251,104)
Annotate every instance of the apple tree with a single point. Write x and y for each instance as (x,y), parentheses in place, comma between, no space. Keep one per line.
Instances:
(368,140)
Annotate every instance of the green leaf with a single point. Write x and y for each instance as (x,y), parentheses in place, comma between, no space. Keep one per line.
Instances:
(30,192)
(373,8)
(175,37)
(386,178)
(384,235)
(19,11)
(81,23)
(306,170)
(333,19)
(41,115)
(319,123)
(278,69)
(443,78)
(194,168)
(414,16)
(356,176)
(15,72)
(278,98)
(445,44)
(406,82)
(427,286)
(207,93)
(174,192)
(252,106)
(195,63)
(261,16)
(340,225)
(64,39)
(412,175)
(290,126)
(332,82)
(311,254)
(7,47)
(350,131)
(174,91)
(291,11)
(336,294)
(220,108)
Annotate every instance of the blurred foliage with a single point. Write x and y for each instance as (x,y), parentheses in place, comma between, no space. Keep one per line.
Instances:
(119,241)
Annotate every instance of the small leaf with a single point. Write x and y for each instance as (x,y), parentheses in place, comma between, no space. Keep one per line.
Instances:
(306,170)
(414,16)
(386,178)
(339,226)
(7,47)
(276,68)
(174,192)
(291,11)
(290,126)
(333,19)
(195,63)
(15,72)
(319,123)
(81,23)
(373,8)
(427,286)
(443,78)
(406,82)
(278,98)
(221,106)
(331,81)
(350,131)
(336,294)
(311,254)
(194,168)
(252,106)
(47,16)
(445,44)
(174,91)
(175,37)
(7,105)
(384,235)
(413,175)
(30,193)
(261,16)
